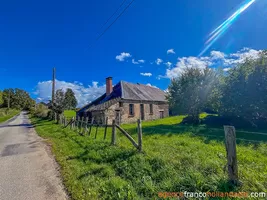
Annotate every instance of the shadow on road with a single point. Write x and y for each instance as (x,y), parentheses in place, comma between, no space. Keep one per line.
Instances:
(16,125)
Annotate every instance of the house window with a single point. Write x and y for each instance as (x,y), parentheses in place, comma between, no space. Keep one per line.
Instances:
(151,108)
(131,109)
(120,104)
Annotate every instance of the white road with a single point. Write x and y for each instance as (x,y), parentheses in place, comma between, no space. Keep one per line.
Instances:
(28,171)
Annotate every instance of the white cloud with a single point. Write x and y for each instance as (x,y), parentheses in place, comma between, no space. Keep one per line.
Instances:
(216,59)
(217,55)
(148,84)
(158,61)
(171,51)
(83,94)
(135,62)
(146,74)
(226,69)
(168,64)
(123,56)
(161,76)
(241,56)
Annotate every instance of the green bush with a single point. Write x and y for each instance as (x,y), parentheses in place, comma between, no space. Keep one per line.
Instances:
(41,111)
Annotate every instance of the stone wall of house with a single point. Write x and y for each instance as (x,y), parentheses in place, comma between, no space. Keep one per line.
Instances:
(123,108)
(99,117)
(165,109)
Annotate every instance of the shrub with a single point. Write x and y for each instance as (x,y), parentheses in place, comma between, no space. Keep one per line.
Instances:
(41,111)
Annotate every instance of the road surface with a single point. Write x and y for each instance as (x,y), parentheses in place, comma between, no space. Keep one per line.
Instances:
(27,169)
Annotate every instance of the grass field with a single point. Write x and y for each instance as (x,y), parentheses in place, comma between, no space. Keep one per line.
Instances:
(5,116)
(69,113)
(175,159)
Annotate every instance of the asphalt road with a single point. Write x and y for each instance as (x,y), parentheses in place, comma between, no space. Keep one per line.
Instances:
(28,171)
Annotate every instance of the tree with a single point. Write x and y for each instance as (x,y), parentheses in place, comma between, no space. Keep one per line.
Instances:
(59,102)
(1,98)
(17,99)
(190,91)
(244,93)
(70,100)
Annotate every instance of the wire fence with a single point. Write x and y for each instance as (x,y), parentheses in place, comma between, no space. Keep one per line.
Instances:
(229,135)
(216,133)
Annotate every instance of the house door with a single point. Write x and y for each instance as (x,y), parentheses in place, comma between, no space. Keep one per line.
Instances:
(118,117)
(142,112)
(161,114)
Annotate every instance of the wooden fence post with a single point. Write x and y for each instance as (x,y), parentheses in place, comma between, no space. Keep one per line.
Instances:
(113,139)
(82,126)
(78,123)
(96,130)
(92,121)
(230,143)
(74,123)
(140,142)
(65,121)
(85,126)
(105,134)
(60,119)
(128,136)
(71,122)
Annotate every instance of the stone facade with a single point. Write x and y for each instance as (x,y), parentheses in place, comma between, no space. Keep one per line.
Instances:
(122,109)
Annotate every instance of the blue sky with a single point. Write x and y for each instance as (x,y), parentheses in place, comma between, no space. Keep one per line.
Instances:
(35,36)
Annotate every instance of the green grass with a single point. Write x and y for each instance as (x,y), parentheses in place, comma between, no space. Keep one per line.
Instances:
(69,113)
(4,116)
(175,159)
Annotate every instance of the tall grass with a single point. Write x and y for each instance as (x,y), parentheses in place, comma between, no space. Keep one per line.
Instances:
(173,160)
(6,115)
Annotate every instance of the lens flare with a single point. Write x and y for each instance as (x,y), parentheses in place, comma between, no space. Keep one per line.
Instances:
(220,30)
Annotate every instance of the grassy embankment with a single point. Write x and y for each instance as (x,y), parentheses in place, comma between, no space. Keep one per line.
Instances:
(69,113)
(4,116)
(174,159)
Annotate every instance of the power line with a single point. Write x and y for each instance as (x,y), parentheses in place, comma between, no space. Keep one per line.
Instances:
(106,29)
(122,3)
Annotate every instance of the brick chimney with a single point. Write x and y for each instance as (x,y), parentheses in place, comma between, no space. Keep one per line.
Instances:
(109,87)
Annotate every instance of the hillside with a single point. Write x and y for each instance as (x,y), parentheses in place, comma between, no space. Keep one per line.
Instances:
(174,159)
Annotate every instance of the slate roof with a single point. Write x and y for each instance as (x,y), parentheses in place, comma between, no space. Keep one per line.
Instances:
(127,91)
(141,92)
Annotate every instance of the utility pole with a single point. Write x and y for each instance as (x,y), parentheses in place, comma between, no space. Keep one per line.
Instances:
(53,87)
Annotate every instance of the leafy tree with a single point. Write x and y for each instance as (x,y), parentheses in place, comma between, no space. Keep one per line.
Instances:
(59,102)
(244,93)
(213,103)
(19,99)
(1,98)
(190,91)
(70,100)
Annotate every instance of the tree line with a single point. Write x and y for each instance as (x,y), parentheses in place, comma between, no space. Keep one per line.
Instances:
(20,100)
(240,92)
(16,99)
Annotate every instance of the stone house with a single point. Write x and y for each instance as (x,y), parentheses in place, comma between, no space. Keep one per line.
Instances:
(127,102)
